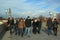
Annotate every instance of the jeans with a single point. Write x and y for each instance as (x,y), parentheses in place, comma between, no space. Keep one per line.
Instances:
(16,29)
(28,31)
(49,31)
(10,28)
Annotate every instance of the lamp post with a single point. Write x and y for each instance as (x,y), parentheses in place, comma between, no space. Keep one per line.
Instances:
(6,11)
(50,14)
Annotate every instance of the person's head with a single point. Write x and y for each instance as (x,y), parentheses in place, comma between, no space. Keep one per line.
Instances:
(21,19)
(55,19)
(11,18)
(49,19)
(38,19)
(28,17)
(35,20)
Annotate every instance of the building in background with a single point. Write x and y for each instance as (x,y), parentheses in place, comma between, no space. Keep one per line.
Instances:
(8,12)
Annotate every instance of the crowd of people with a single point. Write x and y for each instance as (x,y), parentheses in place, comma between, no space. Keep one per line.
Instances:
(23,26)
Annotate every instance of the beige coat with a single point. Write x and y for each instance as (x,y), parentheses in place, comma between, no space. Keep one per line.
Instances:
(21,24)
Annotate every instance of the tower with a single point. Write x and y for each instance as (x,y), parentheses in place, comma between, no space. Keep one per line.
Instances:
(9,12)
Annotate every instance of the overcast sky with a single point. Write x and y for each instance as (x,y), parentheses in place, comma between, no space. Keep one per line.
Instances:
(23,8)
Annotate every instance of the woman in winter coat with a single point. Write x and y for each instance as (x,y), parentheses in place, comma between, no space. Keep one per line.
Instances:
(21,25)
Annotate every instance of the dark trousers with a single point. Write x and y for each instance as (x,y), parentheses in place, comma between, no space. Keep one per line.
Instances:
(10,28)
(16,29)
(39,28)
(24,30)
(20,31)
(34,29)
(55,31)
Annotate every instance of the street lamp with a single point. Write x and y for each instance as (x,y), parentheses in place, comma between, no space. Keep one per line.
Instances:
(6,11)
(50,13)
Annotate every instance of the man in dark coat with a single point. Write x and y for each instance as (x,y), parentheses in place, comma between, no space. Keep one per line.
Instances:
(55,26)
(49,26)
(11,23)
(16,27)
(34,26)
(28,26)
(39,24)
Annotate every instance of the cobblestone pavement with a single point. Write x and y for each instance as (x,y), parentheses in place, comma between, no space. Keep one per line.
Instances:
(42,36)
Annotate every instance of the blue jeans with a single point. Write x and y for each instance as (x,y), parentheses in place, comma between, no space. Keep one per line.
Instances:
(10,28)
(28,31)
(49,31)
(16,31)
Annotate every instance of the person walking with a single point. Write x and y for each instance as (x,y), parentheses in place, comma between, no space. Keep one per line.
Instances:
(55,26)
(49,26)
(16,26)
(34,26)
(21,25)
(28,26)
(11,24)
(39,24)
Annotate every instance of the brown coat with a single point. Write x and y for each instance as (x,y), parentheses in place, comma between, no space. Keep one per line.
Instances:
(21,24)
